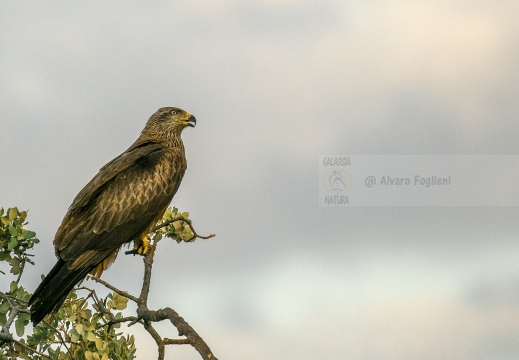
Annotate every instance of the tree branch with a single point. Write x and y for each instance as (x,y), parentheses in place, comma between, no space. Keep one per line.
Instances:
(155,335)
(5,338)
(32,350)
(14,305)
(120,292)
(177,342)
(187,221)
(131,319)
(184,329)
(149,316)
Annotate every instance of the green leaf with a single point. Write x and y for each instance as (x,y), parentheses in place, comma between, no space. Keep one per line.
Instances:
(12,230)
(20,327)
(5,220)
(13,213)
(12,244)
(79,329)
(4,307)
(24,317)
(15,270)
(28,234)
(99,344)
(13,287)
(74,338)
(21,294)
(121,302)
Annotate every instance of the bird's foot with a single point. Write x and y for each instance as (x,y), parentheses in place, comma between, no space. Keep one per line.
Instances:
(140,247)
(144,245)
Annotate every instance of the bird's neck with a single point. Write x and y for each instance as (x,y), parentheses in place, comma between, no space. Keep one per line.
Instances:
(176,143)
(170,139)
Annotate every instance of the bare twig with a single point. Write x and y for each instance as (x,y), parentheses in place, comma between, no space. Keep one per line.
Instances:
(15,310)
(91,294)
(27,347)
(132,320)
(120,292)
(176,341)
(101,308)
(182,326)
(146,282)
(187,221)
(22,267)
(167,313)
(170,221)
(158,340)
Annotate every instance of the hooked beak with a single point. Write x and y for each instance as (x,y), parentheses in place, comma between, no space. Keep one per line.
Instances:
(191,121)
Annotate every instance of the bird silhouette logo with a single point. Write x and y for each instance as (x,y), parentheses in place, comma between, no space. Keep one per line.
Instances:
(337,181)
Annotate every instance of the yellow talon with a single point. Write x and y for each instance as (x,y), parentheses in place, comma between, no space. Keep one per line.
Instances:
(143,246)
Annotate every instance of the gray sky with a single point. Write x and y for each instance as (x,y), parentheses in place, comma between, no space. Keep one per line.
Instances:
(274,84)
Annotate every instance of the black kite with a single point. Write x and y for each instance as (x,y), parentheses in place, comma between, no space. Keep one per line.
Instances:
(120,204)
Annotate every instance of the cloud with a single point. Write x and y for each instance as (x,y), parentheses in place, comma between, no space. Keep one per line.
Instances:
(274,84)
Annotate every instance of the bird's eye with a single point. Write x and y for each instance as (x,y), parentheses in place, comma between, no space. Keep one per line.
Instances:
(173,112)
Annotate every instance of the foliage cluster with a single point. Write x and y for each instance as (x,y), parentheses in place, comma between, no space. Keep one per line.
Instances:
(87,326)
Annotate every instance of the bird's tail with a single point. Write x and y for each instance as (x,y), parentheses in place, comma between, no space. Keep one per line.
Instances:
(52,292)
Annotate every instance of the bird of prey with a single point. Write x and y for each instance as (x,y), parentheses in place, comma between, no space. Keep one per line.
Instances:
(120,204)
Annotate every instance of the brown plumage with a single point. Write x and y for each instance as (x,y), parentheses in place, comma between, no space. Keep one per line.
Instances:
(120,204)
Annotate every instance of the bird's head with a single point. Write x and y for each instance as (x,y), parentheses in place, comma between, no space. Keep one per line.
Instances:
(168,121)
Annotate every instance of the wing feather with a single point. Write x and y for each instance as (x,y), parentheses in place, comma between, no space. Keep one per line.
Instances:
(120,203)
(112,169)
